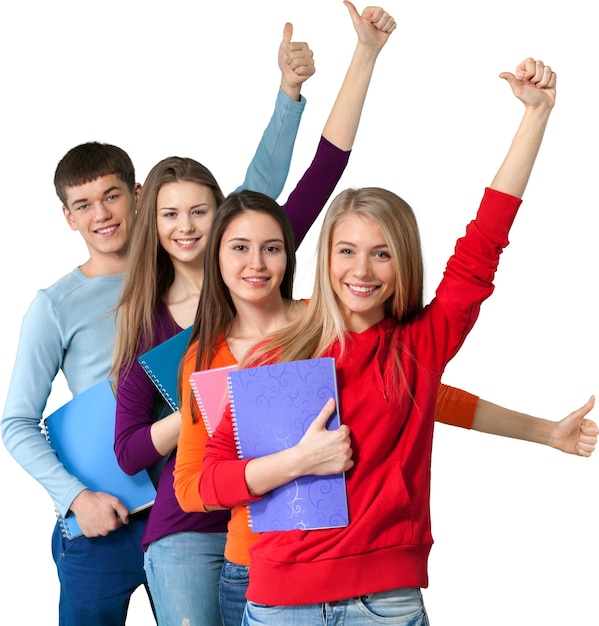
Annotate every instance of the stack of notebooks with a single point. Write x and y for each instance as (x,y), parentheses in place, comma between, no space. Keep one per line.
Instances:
(272,406)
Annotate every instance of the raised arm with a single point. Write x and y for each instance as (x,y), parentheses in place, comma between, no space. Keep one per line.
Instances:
(373,28)
(533,84)
(314,189)
(269,168)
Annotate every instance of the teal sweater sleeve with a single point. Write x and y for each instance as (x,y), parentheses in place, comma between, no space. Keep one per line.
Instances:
(267,173)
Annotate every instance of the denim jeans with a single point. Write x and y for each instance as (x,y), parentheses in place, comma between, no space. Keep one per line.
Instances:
(234,581)
(398,606)
(98,575)
(183,573)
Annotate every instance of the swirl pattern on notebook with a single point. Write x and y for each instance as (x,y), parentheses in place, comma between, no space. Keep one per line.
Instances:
(272,406)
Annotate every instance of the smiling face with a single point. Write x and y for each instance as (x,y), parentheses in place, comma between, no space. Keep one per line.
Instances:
(185,212)
(103,211)
(252,258)
(362,272)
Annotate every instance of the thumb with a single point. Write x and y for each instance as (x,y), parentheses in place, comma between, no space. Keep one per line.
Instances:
(509,77)
(352,10)
(320,423)
(287,33)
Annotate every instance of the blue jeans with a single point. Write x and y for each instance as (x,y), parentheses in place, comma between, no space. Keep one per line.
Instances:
(398,606)
(98,575)
(183,573)
(234,581)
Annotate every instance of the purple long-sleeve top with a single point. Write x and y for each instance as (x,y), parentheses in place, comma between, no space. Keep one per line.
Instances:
(137,396)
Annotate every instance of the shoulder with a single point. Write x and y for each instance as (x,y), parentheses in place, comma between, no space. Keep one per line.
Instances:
(76,283)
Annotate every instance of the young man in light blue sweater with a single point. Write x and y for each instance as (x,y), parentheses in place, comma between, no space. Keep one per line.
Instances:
(70,327)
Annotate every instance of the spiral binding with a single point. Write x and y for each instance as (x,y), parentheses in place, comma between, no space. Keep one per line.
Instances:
(201,407)
(165,394)
(234,419)
(65,527)
(237,442)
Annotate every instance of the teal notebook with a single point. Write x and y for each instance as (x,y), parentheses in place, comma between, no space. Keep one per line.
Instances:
(82,434)
(161,364)
(271,408)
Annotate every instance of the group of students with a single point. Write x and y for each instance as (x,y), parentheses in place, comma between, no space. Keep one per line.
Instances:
(176,252)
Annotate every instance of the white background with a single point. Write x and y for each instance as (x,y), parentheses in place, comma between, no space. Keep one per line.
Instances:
(515,524)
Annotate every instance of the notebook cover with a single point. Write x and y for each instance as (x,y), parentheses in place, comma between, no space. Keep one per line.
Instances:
(161,364)
(212,394)
(272,406)
(82,434)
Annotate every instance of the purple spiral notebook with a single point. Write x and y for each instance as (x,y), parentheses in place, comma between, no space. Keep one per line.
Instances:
(272,407)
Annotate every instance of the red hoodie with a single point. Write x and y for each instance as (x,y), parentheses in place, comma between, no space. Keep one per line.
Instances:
(387,542)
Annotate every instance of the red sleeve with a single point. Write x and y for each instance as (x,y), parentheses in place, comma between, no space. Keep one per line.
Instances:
(455,407)
(222,482)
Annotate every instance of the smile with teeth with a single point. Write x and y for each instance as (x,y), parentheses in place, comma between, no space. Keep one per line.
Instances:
(361,289)
(186,243)
(108,230)
(256,280)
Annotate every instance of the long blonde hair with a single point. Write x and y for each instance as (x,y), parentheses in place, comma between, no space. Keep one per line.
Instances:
(323,324)
(150,271)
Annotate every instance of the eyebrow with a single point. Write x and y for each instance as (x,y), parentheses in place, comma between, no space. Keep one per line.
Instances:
(104,193)
(245,239)
(352,244)
(195,206)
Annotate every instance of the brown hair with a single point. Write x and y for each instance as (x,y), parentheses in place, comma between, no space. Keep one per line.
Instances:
(89,161)
(150,271)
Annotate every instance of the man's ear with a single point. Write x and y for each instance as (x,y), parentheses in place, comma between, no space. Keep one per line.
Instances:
(136,194)
(69,218)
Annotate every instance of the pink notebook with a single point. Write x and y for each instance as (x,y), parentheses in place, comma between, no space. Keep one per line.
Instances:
(211,392)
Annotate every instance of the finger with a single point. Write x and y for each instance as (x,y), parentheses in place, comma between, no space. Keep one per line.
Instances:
(121,512)
(287,33)
(323,417)
(545,78)
(352,9)
(383,21)
(526,69)
(510,78)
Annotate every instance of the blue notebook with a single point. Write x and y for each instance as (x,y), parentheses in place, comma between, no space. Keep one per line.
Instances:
(161,364)
(82,434)
(272,406)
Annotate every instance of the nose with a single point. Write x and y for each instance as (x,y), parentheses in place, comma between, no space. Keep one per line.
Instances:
(361,266)
(101,212)
(185,224)
(256,260)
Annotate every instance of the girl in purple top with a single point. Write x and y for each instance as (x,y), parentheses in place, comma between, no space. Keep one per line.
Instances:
(184,551)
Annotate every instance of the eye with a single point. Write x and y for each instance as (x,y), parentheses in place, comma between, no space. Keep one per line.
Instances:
(240,247)
(272,249)
(345,251)
(112,197)
(382,255)
(82,207)
(200,212)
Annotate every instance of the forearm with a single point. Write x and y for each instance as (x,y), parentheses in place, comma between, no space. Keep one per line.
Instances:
(165,433)
(342,124)
(514,173)
(136,400)
(269,472)
(267,173)
(496,420)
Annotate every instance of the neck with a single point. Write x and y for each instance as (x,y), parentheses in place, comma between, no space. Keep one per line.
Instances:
(105,265)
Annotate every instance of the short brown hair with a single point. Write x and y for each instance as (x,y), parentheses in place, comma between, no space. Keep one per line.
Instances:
(89,161)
